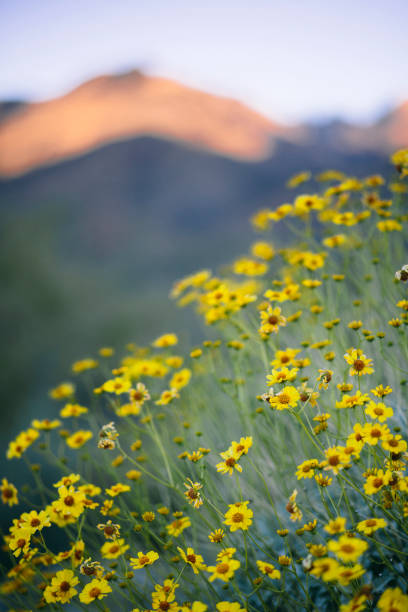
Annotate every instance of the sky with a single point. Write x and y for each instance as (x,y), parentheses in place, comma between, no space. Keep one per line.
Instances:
(289,59)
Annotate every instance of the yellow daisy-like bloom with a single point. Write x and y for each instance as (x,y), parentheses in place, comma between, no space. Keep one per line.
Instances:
(334,241)
(165,341)
(282,375)
(230,462)
(193,493)
(269,570)
(46,424)
(250,267)
(288,397)
(381,391)
(61,588)
(325,568)
(83,365)
(72,410)
(336,459)
(196,606)
(373,432)
(117,385)
(356,604)
(229,606)
(71,502)
(299,178)
(35,520)
(139,395)
(239,516)
(263,250)
(143,559)
(117,488)
(167,396)
(394,444)
(79,438)
(98,588)
(194,560)
(62,391)
(305,203)
(285,358)
(178,525)
(271,320)
(216,536)
(360,364)
(368,526)
(9,493)
(67,481)
(375,482)
(20,541)
(346,574)
(389,225)
(24,439)
(306,469)
(337,525)
(347,549)
(351,401)
(180,379)
(224,570)
(393,600)
(113,550)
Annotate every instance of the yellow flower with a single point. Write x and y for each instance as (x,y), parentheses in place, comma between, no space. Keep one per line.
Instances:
(194,560)
(106,351)
(24,439)
(394,444)
(72,410)
(325,568)
(112,550)
(250,267)
(8,493)
(239,516)
(379,411)
(165,341)
(20,541)
(285,358)
(373,432)
(263,250)
(224,570)
(347,549)
(271,320)
(269,570)
(288,397)
(389,225)
(336,459)
(133,474)
(346,574)
(305,203)
(143,559)
(299,178)
(306,469)
(375,482)
(193,493)
(61,588)
(70,502)
(282,375)
(334,241)
(230,462)
(98,588)
(167,396)
(359,362)
(180,379)
(393,600)
(117,488)
(368,526)
(337,525)
(216,536)
(35,520)
(117,385)
(381,391)
(46,424)
(356,604)
(79,438)
(84,364)
(178,525)
(229,606)
(62,391)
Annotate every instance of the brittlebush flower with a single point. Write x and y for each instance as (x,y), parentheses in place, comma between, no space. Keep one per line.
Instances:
(61,588)
(269,570)
(368,526)
(143,559)
(360,364)
(347,549)
(8,493)
(239,516)
(224,570)
(194,560)
(113,550)
(393,600)
(178,525)
(95,590)
(288,397)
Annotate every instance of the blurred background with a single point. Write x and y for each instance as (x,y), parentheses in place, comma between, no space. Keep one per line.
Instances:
(136,139)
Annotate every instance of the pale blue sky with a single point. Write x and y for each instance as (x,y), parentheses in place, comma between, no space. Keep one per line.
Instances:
(290,59)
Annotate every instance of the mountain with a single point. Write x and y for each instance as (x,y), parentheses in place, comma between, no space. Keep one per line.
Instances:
(112,108)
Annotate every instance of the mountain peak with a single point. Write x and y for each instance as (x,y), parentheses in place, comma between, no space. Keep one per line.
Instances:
(111,108)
